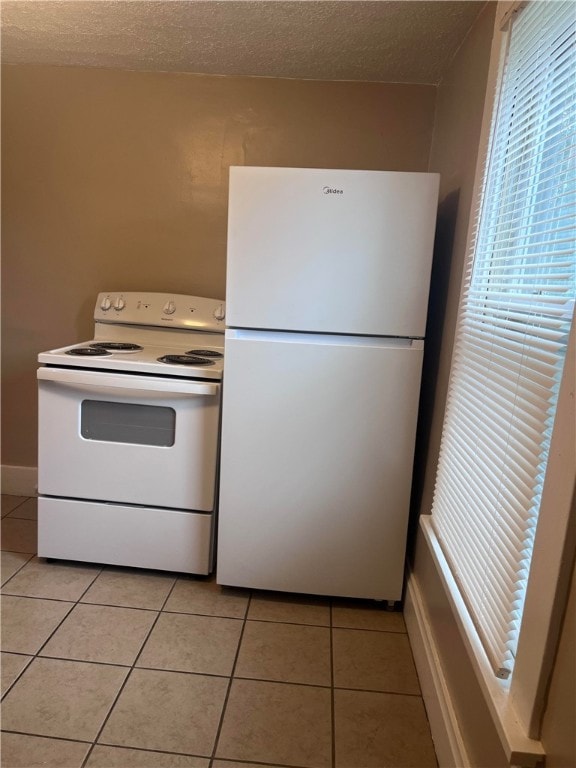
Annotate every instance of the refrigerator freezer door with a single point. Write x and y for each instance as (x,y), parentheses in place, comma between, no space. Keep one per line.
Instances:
(330,251)
(317,448)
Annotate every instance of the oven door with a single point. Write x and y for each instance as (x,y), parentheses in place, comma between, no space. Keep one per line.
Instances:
(130,439)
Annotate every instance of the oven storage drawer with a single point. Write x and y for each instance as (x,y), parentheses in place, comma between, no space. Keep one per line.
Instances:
(140,537)
(128,439)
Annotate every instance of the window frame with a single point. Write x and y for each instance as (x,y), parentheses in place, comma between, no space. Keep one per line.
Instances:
(516,705)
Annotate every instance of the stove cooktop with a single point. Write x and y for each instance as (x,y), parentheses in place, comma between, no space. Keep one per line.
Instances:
(183,361)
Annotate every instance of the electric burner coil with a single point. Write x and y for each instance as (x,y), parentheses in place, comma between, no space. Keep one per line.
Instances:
(185,360)
(205,353)
(117,346)
(87,352)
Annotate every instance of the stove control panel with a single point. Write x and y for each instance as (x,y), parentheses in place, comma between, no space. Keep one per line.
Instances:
(161,309)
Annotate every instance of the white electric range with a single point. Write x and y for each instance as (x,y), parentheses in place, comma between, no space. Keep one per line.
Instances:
(128,435)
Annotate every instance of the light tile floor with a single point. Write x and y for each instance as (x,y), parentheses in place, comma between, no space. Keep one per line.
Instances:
(107,667)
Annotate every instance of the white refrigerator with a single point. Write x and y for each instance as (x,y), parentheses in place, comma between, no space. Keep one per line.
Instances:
(328,276)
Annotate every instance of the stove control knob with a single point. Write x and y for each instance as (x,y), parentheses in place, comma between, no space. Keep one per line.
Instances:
(106,304)
(119,304)
(219,312)
(169,308)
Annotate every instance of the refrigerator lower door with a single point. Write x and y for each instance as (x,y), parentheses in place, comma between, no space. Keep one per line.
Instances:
(317,449)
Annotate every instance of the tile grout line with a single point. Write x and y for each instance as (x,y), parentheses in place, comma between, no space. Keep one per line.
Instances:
(332,693)
(54,599)
(128,676)
(19,569)
(24,500)
(231,679)
(259,764)
(371,629)
(12,516)
(13,683)
(42,736)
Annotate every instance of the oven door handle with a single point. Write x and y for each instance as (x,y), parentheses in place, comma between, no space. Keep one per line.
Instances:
(131,386)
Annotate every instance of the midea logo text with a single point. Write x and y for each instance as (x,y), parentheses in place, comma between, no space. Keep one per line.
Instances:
(332,191)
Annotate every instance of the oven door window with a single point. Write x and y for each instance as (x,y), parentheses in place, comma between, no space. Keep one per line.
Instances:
(127,423)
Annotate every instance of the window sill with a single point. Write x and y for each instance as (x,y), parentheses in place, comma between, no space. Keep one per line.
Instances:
(519,749)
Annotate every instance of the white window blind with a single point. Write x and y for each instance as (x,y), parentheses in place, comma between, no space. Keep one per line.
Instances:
(514,319)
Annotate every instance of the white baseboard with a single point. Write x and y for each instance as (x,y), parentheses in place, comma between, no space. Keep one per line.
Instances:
(448,742)
(19,481)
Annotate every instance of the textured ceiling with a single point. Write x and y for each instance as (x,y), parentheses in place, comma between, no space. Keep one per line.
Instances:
(406,42)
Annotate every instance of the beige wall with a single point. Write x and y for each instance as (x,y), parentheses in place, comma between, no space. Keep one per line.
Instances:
(457,128)
(460,106)
(117,180)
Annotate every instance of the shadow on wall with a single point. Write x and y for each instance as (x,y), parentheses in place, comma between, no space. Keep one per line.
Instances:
(440,279)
